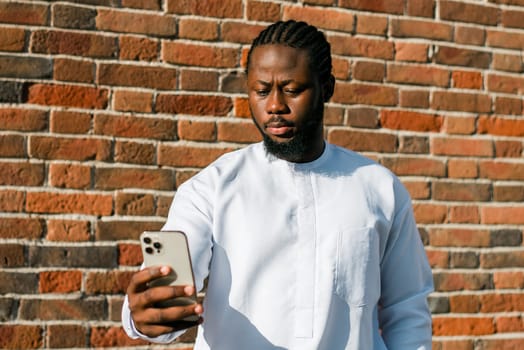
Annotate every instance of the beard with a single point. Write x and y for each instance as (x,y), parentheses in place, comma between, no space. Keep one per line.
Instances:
(301,144)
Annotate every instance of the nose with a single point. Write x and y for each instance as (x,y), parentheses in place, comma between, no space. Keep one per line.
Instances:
(276,102)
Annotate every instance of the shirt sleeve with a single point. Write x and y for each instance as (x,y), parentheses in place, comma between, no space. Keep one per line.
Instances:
(407,280)
(191,213)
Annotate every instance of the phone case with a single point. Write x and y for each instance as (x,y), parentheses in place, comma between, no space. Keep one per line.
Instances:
(169,248)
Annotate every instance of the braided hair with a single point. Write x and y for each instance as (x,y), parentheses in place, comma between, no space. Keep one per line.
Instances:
(298,35)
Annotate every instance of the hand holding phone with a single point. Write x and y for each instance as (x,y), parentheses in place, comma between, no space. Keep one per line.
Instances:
(162,296)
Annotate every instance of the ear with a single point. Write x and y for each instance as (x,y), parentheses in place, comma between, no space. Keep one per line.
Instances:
(328,88)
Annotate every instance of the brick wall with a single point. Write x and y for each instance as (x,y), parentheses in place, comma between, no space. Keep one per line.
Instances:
(106,106)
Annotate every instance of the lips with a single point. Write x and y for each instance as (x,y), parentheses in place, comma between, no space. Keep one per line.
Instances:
(279,127)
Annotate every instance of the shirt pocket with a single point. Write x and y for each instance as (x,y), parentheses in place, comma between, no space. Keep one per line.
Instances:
(357,275)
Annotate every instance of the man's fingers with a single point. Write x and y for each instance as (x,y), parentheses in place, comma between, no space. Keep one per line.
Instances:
(154,295)
(140,279)
(163,320)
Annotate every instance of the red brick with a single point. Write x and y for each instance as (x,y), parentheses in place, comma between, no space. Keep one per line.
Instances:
(76,336)
(437,258)
(107,282)
(388,6)
(198,29)
(421,8)
(414,98)
(450,344)
(73,70)
(60,281)
(241,107)
(501,302)
(501,170)
(420,75)
(415,166)
(363,141)
(69,175)
(20,336)
(460,125)
(340,68)
(371,24)
(429,213)
(509,84)
(462,147)
(135,152)
(68,230)
(406,120)
(11,201)
(206,8)
(464,214)
(407,28)
(363,47)
(370,71)
(23,119)
(136,22)
(500,126)
(62,309)
(417,189)
(504,259)
(200,55)
(508,105)
(138,48)
(502,215)
(512,18)
(13,255)
(500,343)
(504,39)
(510,63)
(131,126)
(143,4)
(67,122)
(238,132)
(511,149)
(406,51)
(462,57)
(467,80)
(462,168)
(455,281)
(188,156)
(22,228)
(47,147)
(508,279)
(24,13)
(197,130)
(363,118)
(506,324)
(356,93)
(68,95)
(455,101)
(72,43)
(508,193)
(136,204)
(119,178)
(263,11)
(22,174)
(12,146)
(12,39)
(75,17)
(198,80)
(54,203)
(193,104)
(455,237)
(324,18)
(239,32)
(141,76)
(133,101)
(463,12)
(470,35)
(464,304)
(129,254)
(124,230)
(163,203)
(102,337)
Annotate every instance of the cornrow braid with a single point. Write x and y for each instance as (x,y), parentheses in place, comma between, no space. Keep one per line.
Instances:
(299,35)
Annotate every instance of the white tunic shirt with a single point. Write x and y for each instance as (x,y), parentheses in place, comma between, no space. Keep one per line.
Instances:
(319,255)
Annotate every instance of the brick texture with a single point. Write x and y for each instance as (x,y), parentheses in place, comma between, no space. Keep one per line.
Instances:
(107,106)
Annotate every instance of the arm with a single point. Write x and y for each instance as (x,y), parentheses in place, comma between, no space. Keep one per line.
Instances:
(191,213)
(406,277)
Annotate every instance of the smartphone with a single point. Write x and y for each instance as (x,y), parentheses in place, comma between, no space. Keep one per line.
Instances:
(170,248)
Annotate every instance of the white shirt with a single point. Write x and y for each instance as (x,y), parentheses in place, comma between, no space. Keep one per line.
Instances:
(318,255)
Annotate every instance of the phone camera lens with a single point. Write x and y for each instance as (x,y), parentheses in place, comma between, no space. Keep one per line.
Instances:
(147,240)
(150,250)
(157,245)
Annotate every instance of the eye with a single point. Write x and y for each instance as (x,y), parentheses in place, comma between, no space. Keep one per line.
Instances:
(262,92)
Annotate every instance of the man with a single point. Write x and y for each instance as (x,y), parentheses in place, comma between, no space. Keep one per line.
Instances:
(307,245)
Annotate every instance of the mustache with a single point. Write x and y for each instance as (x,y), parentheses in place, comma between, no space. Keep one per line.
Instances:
(277,120)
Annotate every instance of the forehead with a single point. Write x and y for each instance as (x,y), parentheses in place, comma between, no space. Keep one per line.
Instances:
(279,58)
